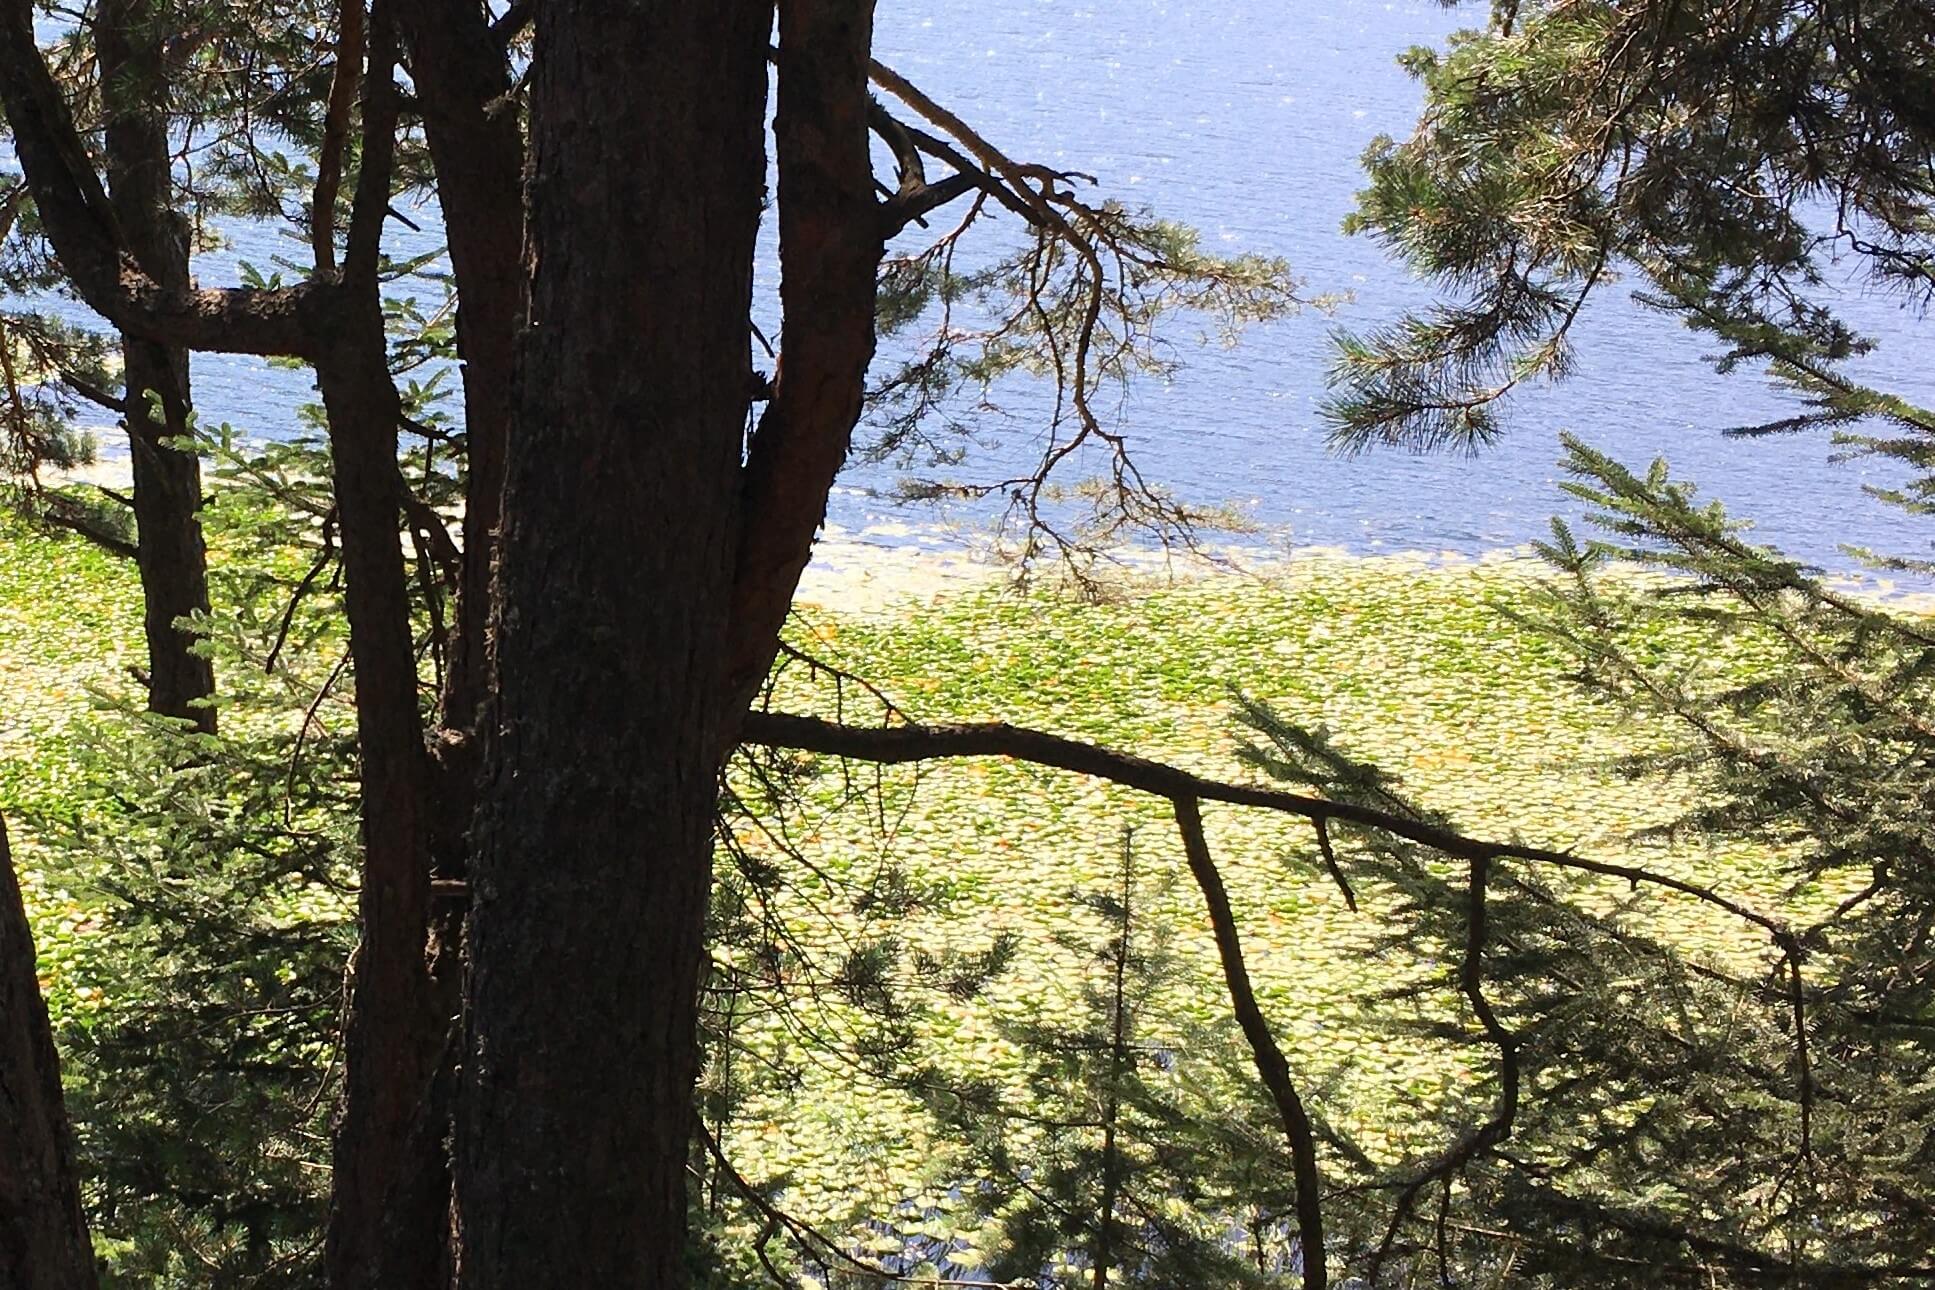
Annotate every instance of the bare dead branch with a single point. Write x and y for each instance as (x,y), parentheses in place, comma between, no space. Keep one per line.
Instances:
(1271,1066)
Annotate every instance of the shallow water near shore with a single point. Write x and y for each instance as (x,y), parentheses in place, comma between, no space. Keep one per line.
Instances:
(1246,120)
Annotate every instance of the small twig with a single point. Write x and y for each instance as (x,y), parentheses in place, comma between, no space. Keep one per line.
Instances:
(303,588)
(1330,863)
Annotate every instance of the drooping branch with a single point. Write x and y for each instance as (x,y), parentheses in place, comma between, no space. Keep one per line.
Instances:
(1271,1065)
(64,512)
(1330,863)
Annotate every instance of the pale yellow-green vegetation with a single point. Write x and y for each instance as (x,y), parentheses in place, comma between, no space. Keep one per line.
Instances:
(1418,668)
(70,619)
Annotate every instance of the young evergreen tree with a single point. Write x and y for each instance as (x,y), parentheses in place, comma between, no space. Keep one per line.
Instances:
(1742,161)
(1118,1170)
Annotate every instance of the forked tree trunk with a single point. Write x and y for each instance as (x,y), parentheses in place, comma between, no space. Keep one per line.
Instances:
(390,1198)
(462,77)
(593,843)
(167,483)
(43,1237)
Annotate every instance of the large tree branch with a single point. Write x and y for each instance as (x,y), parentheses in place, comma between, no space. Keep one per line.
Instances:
(830,243)
(914,197)
(80,223)
(909,743)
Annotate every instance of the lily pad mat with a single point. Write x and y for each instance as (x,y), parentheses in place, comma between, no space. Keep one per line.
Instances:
(1407,664)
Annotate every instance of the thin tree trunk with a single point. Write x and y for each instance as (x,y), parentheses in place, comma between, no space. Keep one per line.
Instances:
(386,1201)
(167,483)
(461,78)
(593,843)
(389,1206)
(43,1235)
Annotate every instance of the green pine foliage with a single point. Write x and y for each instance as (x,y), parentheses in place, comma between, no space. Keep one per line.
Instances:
(1120,1169)
(1743,161)
(203,996)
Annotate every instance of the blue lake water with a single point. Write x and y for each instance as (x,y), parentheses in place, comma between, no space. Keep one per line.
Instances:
(1246,119)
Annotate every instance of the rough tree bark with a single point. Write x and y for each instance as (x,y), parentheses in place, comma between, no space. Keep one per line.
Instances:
(593,843)
(390,1199)
(387,1203)
(831,235)
(462,78)
(167,483)
(43,1236)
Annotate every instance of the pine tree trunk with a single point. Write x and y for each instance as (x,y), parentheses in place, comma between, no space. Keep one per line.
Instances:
(592,859)
(167,484)
(390,1196)
(43,1236)
(462,77)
